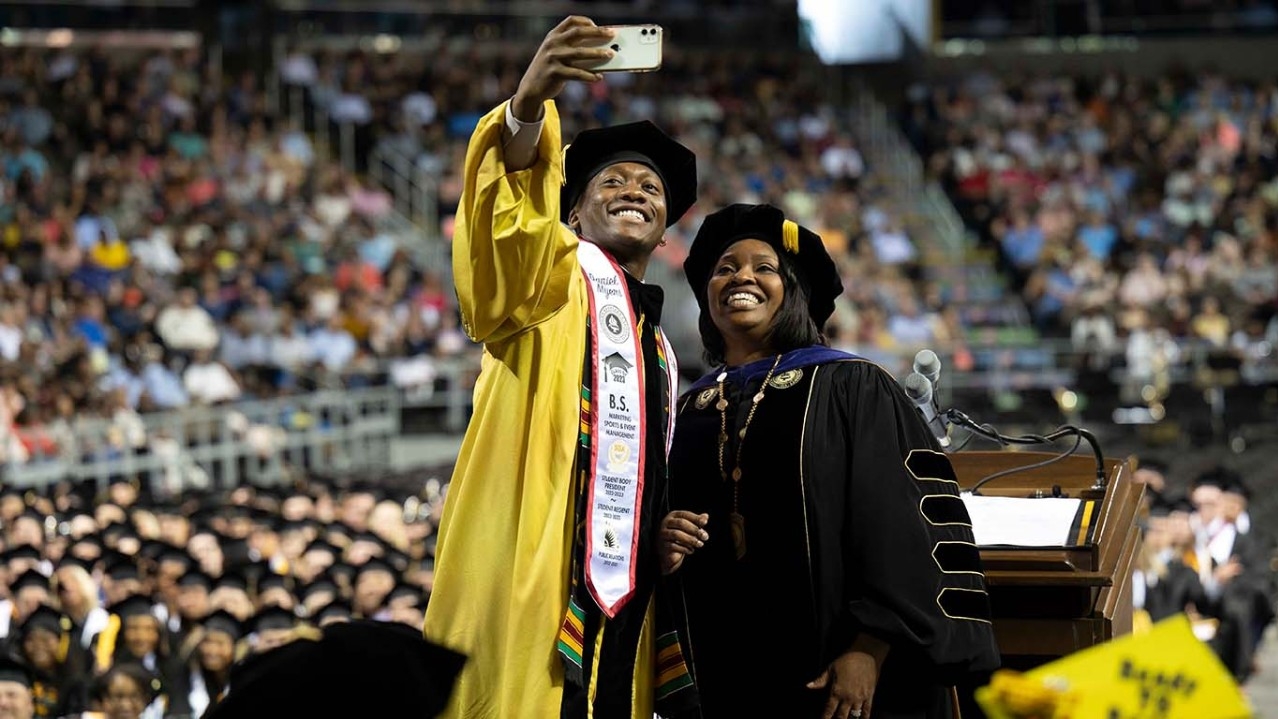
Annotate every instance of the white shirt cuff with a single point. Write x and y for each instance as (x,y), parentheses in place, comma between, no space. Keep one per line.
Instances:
(524,136)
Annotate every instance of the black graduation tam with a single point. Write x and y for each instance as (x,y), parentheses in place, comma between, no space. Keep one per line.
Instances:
(397,559)
(767,223)
(1220,477)
(342,570)
(22,551)
(335,610)
(1239,487)
(321,545)
(375,565)
(30,578)
(223,621)
(195,577)
(321,583)
(134,605)
(153,548)
(643,142)
(123,570)
(370,537)
(407,591)
(70,560)
(272,617)
(233,580)
(353,661)
(274,581)
(47,618)
(13,669)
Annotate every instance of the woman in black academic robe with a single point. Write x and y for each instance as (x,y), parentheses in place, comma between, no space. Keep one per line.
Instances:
(817,543)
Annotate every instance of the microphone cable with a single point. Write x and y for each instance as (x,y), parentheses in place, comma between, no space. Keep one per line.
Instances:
(985,430)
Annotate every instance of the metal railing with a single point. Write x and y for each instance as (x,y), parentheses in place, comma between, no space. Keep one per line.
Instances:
(260,441)
(894,158)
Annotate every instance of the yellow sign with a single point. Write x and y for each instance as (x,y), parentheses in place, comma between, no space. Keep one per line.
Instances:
(1166,673)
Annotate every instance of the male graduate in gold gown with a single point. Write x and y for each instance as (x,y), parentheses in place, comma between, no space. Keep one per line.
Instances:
(546,564)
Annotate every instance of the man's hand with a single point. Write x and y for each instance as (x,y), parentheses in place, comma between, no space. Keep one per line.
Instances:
(682,533)
(565,54)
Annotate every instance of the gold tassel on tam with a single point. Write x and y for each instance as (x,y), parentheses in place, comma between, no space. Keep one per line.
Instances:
(790,236)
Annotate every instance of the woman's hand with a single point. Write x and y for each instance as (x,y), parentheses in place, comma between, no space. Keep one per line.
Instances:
(682,533)
(567,53)
(851,679)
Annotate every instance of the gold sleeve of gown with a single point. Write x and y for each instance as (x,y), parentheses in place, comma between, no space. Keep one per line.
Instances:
(513,261)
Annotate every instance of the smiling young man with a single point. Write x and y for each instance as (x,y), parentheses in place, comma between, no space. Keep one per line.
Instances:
(546,565)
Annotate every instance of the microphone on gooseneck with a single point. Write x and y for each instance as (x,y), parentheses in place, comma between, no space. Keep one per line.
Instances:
(919,389)
(928,364)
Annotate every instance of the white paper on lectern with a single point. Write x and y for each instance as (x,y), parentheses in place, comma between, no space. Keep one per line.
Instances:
(1022,522)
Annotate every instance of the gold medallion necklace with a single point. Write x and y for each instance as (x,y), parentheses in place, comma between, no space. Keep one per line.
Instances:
(738,521)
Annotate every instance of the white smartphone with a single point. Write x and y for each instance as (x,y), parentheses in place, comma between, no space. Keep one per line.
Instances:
(638,49)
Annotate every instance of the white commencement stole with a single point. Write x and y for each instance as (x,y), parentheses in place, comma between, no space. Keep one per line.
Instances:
(618,431)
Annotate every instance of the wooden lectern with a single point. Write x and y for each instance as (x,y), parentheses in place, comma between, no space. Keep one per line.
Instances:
(1049,602)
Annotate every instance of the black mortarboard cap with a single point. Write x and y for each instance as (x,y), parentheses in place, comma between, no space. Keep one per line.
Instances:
(153,548)
(375,565)
(194,577)
(342,569)
(643,142)
(370,537)
(134,605)
(272,617)
(1220,477)
(70,560)
(13,669)
(117,530)
(223,621)
(47,618)
(396,559)
(321,583)
(767,223)
(271,580)
(123,569)
(353,661)
(402,590)
(30,578)
(321,545)
(336,609)
(175,555)
(233,580)
(22,551)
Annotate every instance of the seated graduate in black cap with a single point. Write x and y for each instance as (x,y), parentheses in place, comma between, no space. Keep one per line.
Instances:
(208,669)
(15,687)
(825,557)
(29,590)
(57,663)
(551,250)
(128,690)
(136,634)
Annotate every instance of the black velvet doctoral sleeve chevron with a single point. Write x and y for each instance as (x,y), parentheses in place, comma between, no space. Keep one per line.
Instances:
(913,574)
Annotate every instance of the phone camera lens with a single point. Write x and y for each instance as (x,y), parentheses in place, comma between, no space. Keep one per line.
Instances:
(644,31)
(616,47)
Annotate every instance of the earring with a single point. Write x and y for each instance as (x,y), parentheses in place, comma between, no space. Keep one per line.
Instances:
(662,243)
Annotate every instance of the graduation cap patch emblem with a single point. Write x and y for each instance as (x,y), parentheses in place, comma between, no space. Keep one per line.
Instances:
(616,367)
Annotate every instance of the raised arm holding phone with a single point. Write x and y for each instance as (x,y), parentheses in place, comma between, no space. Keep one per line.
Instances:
(546,563)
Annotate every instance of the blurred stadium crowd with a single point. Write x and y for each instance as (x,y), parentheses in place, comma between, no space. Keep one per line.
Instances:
(132,605)
(1137,217)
